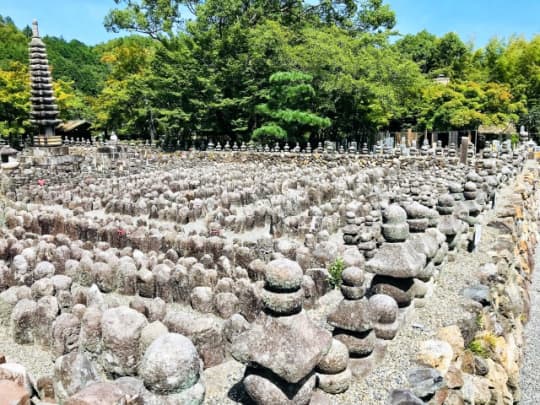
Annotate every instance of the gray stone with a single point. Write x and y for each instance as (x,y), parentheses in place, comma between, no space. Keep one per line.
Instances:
(335,383)
(404,397)
(360,344)
(397,260)
(90,336)
(352,316)
(425,382)
(150,333)
(23,320)
(202,299)
(65,334)
(72,373)
(43,269)
(353,276)
(336,360)
(289,346)
(384,312)
(170,364)
(121,331)
(226,304)
(281,303)
(283,275)
(479,293)
(205,332)
(265,389)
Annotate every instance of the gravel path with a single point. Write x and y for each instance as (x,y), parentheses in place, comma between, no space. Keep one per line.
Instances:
(530,372)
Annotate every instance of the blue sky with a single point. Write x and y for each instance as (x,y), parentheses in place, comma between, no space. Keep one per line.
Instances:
(473,20)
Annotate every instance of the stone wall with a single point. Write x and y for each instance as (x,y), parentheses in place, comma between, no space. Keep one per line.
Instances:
(478,360)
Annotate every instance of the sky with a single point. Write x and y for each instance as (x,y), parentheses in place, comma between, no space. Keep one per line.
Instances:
(475,21)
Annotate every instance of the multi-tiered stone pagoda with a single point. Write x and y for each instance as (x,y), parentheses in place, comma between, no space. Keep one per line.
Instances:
(44,113)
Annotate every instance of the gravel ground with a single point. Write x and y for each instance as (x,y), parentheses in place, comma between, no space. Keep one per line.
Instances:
(530,372)
(37,361)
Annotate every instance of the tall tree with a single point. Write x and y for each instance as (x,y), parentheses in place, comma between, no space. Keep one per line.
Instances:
(288,110)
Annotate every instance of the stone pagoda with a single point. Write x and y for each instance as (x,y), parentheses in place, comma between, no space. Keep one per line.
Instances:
(44,113)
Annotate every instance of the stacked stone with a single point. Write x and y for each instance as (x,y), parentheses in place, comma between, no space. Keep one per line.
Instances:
(439,152)
(506,149)
(365,149)
(426,243)
(396,262)
(456,190)
(424,150)
(486,152)
(352,320)
(352,228)
(450,226)
(367,237)
(44,112)
(211,147)
(384,313)
(470,153)
(452,152)
(470,194)
(333,372)
(283,346)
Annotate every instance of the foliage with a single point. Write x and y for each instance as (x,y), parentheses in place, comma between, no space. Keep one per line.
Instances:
(468,105)
(77,63)
(335,270)
(477,347)
(14,101)
(210,77)
(287,109)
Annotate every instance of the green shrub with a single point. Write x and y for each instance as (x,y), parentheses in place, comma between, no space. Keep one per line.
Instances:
(335,271)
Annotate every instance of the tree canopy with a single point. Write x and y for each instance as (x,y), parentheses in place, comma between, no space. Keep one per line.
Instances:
(272,69)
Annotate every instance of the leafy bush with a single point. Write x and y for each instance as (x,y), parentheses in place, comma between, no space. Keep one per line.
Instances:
(335,271)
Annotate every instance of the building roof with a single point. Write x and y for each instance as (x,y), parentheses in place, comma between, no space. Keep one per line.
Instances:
(503,129)
(69,126)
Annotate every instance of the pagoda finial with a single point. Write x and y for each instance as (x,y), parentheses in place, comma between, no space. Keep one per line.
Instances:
(35,30)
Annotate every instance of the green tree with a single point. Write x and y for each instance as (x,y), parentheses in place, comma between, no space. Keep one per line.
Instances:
(122,105)
(374,16)
(77,63)
(421,48)
(467,105)
(288,109)
(158,19)
(14,101)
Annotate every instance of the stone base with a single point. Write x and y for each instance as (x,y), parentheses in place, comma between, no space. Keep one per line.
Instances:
(405,315)
(361,367)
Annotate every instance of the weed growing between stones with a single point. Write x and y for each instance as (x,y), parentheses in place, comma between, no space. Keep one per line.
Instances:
(335,270)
